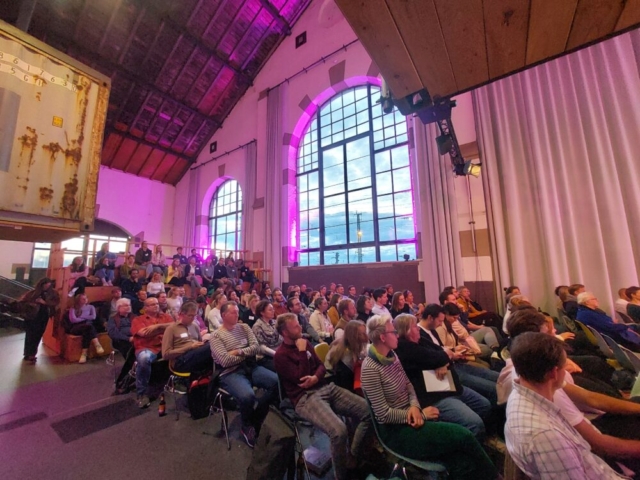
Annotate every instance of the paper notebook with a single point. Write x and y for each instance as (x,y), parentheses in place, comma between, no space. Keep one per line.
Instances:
(433,384)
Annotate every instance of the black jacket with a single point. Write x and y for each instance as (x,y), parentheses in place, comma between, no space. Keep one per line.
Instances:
(425,355)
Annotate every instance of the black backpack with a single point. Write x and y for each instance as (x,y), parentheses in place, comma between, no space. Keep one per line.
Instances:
(198,396)
(274,452)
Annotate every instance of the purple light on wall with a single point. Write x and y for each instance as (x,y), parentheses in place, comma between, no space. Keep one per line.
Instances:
(296,137)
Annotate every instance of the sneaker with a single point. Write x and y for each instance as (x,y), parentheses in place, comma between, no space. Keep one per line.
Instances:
(30,359)
(99,349)
(83,358)
(72,291)
(249,434)
(143,401)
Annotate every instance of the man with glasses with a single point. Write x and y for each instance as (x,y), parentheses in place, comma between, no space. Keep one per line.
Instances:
(302,375)
(184,352)
(147,331)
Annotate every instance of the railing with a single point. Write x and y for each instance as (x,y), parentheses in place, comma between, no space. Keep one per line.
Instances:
(12,290)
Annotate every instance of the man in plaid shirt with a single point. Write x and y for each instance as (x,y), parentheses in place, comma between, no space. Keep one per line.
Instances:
(541,442)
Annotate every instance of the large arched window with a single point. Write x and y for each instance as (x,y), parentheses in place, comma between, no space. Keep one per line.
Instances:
(355,202)
(225,217)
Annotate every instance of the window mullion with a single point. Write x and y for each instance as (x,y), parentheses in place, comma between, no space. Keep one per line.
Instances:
(374,188)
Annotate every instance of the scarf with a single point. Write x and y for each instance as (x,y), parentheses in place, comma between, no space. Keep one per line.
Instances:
(381,359)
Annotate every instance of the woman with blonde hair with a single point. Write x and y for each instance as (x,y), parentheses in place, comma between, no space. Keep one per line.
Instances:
(346,354)
(174,301)
(250,316)
(214,318)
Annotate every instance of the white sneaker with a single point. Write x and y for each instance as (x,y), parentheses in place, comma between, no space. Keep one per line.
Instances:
(83,358)
(72,291)
(99,349)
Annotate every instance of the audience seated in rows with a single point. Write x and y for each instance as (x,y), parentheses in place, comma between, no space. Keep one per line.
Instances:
(475,313)
(347,312)
(319,319)
(380,302)
(182,346)
(541,441)
(344,359)
(302,375)
(266,333)
(234,348)
(147,331)
(404,425)
(590,314)
(295,306)
(452,334)
(463,405)
(82,317)
(600,432)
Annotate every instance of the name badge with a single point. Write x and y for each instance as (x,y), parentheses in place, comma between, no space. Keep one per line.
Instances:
(184,335)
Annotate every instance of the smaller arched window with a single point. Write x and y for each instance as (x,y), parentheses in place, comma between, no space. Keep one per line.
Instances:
(225,217)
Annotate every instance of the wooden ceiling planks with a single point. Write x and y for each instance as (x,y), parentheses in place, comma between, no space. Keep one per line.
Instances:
(549,27)
(477,41)
(463,30)
(629,16)
(428,52)
(594,19)
(506,23)
(371,20)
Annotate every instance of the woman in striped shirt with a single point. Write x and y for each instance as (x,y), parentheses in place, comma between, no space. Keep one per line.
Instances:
(403,426)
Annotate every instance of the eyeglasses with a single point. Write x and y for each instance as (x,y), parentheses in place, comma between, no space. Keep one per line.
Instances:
(395,332)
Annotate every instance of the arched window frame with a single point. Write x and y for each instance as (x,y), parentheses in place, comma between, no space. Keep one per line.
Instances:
(379,246)
(225,205)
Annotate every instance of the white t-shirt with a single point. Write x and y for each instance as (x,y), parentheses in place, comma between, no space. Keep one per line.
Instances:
(380,310)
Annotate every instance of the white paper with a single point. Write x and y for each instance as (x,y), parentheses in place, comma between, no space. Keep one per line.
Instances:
(433,384)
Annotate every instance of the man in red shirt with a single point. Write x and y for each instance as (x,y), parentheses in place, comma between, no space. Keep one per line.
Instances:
(147,331)
(301,373)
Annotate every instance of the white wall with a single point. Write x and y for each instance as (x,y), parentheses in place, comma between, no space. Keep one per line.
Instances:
(137,204)
(14,253)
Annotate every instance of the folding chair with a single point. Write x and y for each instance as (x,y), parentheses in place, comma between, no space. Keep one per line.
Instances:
(220,395)
(287,409)
(633,359)
(621,357)
(170,387)
(322,349)
(436,468)
(588,333)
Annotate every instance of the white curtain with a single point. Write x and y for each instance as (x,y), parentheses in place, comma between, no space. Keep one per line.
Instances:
(436,206)
(274,208)
(561,173)
(249,195)
(191,214)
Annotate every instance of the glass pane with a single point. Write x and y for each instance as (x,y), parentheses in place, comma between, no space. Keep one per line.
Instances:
(117,247)
(304,220)
(303,183)
(313,180)
(400,157)
(383,161)
(362,255)
(313,199)
(314,258)
(366,231)
(42,245)
(383,181)
(40,258)
(405,229)
(385,206)
(401,179)
(335,235)
(68,258)
(388,253)
(333,178)
(314,238)
(403,203)
(334,216)
(303,259)
(304,239)
(314,218)
(407,249)
(336,257)
(386,229)
(75,244)
(359,173)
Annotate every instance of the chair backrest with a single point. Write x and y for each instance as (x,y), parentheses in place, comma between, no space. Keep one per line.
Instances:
(633,358)
(602,344)
(621,357)
(623,317)
(588,333)
(322,349)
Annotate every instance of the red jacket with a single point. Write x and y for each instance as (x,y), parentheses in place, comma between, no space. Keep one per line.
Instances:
(153,343)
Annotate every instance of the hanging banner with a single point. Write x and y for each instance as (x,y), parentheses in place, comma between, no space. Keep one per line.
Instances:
(52,116)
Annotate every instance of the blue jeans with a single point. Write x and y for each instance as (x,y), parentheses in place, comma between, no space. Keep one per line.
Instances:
(467,409)
(482,380)
(143,371)
(240,385)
